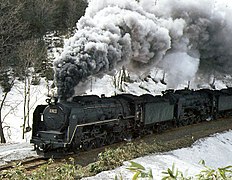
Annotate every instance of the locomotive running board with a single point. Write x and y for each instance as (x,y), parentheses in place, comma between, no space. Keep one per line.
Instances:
(98,122)
(102,122)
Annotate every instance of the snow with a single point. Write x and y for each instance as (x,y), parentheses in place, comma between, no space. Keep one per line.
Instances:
(13,110)
(15,151)
(215,151)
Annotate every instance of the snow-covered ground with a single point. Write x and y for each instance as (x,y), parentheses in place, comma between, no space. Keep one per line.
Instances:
(12,112)
(15,151)
(215,151)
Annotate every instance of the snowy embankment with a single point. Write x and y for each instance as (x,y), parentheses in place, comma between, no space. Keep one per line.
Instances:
(215,151)
(15,151)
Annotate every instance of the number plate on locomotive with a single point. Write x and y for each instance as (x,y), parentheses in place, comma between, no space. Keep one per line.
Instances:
(53,111)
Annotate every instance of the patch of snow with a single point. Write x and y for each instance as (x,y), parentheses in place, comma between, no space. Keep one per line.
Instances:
(15,151)
(215,151)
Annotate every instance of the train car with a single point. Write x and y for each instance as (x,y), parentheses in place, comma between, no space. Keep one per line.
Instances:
(223,102)
(191,106)
(154,113)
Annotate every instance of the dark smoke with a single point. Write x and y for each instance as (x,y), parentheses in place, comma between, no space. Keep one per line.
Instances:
(183,37)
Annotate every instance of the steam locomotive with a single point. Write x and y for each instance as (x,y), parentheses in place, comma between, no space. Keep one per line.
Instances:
(90,121)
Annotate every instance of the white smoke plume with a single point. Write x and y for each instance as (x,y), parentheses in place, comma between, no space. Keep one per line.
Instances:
(183,37)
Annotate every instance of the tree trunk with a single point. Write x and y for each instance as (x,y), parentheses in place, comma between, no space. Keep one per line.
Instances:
(3,140)
(24,105)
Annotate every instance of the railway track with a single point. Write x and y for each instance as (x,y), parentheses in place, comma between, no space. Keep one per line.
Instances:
(27,164)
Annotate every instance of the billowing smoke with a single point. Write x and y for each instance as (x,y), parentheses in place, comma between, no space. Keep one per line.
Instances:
(183,37)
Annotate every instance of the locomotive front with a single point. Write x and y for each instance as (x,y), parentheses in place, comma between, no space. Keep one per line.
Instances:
(49,127)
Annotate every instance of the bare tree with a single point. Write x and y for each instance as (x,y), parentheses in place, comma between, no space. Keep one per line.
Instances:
(76,9)
(29,54)
(67,13)
(119,79)
(39,15)
(11,31)
(3,140)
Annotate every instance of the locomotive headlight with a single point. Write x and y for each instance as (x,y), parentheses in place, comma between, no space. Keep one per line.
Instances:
(54,100)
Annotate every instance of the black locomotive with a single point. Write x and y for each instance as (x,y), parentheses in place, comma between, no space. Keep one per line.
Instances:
(90,121)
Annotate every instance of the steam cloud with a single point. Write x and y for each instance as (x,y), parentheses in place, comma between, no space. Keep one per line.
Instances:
(183,37)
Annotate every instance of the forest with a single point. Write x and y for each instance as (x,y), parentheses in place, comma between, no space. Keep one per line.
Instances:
(23,50)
